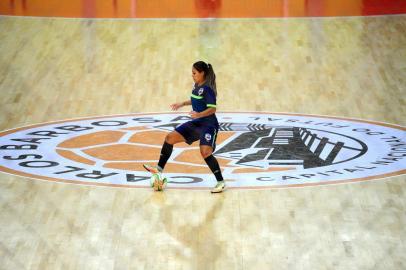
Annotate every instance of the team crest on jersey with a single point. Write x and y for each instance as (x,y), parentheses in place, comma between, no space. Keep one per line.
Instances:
(200,92)
(254,150)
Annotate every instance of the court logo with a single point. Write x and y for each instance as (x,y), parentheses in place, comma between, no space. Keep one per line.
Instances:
(254,150)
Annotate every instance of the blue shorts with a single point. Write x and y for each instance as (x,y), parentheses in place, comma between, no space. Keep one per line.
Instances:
(192,131)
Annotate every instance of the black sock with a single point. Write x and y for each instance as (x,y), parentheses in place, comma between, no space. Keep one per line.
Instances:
(214,167)
(166,152)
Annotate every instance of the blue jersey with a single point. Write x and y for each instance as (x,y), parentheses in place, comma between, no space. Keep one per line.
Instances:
(203,97)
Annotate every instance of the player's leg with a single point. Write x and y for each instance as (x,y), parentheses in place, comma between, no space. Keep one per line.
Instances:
(171,139)
(174,137)
(183,133)
(207,146)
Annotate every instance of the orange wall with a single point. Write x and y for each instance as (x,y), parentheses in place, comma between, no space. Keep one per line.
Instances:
(199,8)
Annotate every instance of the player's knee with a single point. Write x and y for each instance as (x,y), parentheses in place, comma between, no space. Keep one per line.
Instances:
(169,138)
(172,138)
(205,152)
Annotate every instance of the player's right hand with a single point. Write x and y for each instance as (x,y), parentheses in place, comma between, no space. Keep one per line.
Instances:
(176,106)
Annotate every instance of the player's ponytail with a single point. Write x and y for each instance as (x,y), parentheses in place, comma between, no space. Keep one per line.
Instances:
(211,78)
(209,75)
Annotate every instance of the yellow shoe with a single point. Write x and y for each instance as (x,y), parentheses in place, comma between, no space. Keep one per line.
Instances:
(152,169)
(220,186)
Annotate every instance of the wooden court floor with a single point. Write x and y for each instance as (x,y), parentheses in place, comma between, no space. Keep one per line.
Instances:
(56,69)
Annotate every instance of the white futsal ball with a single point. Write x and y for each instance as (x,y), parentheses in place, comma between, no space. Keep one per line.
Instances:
(158,182)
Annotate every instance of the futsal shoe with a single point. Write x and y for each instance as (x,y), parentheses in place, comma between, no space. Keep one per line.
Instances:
(219,187)
(152,169)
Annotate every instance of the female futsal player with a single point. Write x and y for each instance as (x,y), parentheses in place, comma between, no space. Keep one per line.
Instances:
(203,126)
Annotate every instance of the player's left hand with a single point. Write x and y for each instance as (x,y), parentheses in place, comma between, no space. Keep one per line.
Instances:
(194,114)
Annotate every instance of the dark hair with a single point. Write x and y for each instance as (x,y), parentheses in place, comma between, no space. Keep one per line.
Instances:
(209,76)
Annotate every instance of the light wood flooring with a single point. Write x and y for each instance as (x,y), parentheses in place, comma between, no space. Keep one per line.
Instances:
(55,69)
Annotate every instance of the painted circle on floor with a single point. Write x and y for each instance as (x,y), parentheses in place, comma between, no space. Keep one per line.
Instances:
(254,150)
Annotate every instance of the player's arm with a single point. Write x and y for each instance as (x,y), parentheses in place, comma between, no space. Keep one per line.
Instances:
(178,105)
(187,102)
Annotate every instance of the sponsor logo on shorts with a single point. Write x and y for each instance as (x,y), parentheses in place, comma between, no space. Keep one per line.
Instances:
(254,150)
(207,136)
